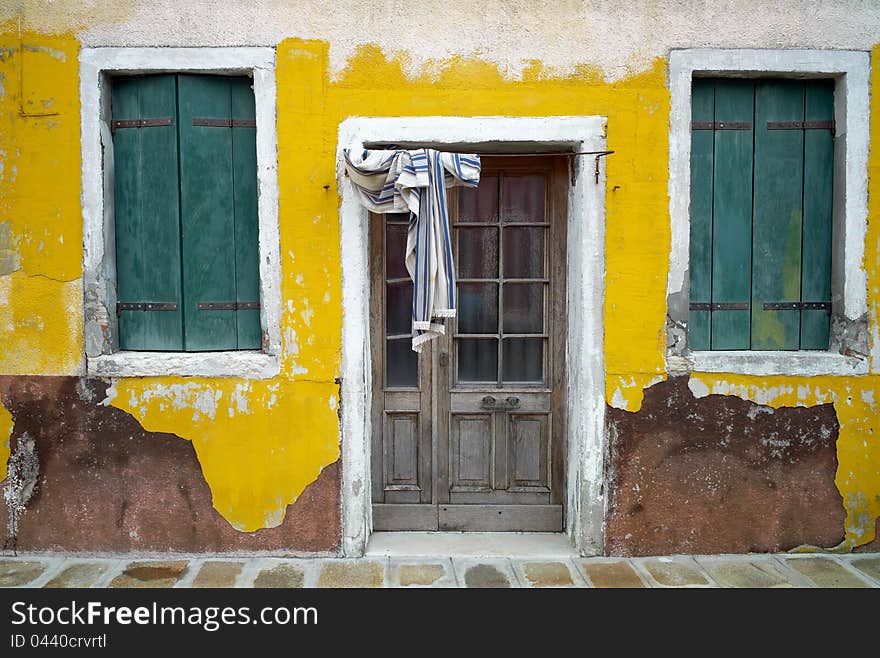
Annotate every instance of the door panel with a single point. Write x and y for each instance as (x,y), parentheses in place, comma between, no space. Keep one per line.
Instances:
(471,431)
(472,448)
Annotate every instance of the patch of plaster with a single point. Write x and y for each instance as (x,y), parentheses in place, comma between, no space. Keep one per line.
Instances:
(22,473)
(858,452)
(255,464)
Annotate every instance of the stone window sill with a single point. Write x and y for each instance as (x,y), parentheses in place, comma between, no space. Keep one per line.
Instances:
(804,363)
(244,364)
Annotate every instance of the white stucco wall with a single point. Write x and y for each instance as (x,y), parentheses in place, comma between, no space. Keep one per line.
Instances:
(618,38)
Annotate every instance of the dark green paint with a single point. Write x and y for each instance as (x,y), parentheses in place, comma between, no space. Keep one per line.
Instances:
(818,194)
(703,109)
(244,174)
(147,213)
(778,214)
(206,208)
(186,205)
(770,221)
(732,214)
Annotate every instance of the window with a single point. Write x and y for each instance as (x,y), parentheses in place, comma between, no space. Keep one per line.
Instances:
(788,337)
(213,251)
(185,179)
(761,214)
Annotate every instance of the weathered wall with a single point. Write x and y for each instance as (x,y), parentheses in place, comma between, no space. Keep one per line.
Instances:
(258,445)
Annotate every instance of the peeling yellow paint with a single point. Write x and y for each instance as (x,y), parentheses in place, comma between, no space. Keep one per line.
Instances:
(260,443)
(5,437)
(256,461)
(41,294)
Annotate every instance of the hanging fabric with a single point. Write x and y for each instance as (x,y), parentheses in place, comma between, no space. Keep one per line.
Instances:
(415,181)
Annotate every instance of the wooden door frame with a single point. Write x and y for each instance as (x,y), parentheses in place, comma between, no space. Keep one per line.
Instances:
(584,345)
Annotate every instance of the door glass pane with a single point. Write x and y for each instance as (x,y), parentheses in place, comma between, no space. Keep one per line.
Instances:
(524,252)
(523,359)
(477,308)
(479,204)
(398,311)
(477,359)
(523,308)
(522,198)
(395,251)
(402,364)
(478,253)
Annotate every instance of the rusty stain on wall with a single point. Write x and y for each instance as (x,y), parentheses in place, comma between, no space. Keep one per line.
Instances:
(103,482)
(720,475)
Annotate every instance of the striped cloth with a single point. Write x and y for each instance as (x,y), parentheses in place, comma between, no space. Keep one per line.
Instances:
(416,180)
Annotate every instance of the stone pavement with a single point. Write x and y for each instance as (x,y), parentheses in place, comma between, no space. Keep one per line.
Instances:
(772,570)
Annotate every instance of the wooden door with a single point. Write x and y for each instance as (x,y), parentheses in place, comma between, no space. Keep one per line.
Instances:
(470,434)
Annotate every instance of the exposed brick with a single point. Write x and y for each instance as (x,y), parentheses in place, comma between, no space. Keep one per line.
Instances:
(280,576)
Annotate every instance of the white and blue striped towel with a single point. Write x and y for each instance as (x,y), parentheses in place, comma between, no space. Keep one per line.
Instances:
(416,180)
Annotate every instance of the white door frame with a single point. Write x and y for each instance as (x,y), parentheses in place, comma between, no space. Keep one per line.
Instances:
(585,286)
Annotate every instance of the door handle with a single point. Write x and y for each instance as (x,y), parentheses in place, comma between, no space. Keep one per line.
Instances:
(507,404)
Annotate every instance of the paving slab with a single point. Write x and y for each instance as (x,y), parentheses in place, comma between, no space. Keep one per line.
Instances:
(868,565)
(352,574)
(217,574)
(825,572)
(79,575)
(485,573)
(674,572)
(15,573)
(751,573)
(151,574)
(547,574)
(617,574)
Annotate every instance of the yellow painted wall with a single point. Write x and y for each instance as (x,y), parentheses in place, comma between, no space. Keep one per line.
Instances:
(261,443)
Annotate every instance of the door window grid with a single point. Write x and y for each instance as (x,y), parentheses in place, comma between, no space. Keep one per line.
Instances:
(506,204)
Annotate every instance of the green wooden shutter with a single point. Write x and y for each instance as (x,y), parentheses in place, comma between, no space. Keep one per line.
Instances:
(779,188)
(732,214)
(206,200)
(147,213)
(244,171)
(703,112)
(818,198)
(761,220)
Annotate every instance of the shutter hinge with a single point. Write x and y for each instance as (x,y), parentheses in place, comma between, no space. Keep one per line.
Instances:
(224,123)
(139,123)
(721,125)
(798,306)
(144,306)
(719,306)
(228,306)
(801,125)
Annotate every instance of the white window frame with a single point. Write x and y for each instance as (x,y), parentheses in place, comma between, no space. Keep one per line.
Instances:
(585,262)
(851,72)
(97,66)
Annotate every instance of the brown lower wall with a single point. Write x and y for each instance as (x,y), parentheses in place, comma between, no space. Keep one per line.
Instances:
(720,475)
(94,480)
(685,475)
